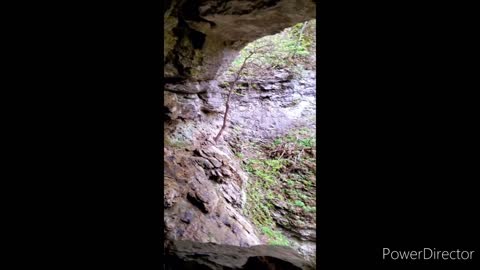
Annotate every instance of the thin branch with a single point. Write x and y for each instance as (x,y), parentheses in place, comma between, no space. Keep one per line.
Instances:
(232,87)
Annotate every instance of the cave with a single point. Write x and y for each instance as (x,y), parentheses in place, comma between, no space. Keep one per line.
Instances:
(205,182)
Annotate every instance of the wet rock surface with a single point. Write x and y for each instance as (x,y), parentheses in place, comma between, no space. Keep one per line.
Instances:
(190,255)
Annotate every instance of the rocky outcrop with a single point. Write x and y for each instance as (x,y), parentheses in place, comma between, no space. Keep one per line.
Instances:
(203,198)
(204,183)
(262,109)
(190,255)
(201,38)
(267,108)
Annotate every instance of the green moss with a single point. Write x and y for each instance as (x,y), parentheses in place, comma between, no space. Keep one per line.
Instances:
(272,182)
(299,203)
(175,143)
(196,70)
(260,194)
(275,237)
(169,39)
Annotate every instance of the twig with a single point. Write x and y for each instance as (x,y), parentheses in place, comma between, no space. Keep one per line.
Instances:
(300,154)
(232,87)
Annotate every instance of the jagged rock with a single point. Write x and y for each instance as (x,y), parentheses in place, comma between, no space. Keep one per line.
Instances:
(205,163)
(192,87)
(183,255)
(215,162)
(171,193)
(196,206)
(201,196)
(181,106)
(226,172)
(232,194)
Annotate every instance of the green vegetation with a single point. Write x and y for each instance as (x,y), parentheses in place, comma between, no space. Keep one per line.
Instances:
(281,186)
(175,143)
(292,49)
(277,237)
(259,196)
(299,203)
(283,176)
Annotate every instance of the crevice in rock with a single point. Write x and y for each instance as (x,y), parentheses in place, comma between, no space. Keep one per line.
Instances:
(166,113)
(197,202)
(173,80)
(198,39)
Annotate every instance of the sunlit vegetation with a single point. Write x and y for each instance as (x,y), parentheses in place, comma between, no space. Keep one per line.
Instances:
(282,177)
(294,49)
(281,186)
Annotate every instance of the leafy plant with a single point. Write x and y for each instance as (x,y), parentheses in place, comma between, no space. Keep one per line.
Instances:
(275,237)
(272,172)
(310,209)
(308,142)
(299,203)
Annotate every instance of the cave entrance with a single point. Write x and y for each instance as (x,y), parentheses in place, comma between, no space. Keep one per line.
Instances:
(272,133)
(293,50)
(273,83)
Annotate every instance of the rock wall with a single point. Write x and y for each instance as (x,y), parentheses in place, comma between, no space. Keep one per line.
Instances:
(203,197)
(190,255)
(201,38)
(270,107)
(204,182)
(261,109)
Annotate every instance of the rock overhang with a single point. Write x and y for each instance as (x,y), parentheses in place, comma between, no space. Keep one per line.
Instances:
(202,38)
